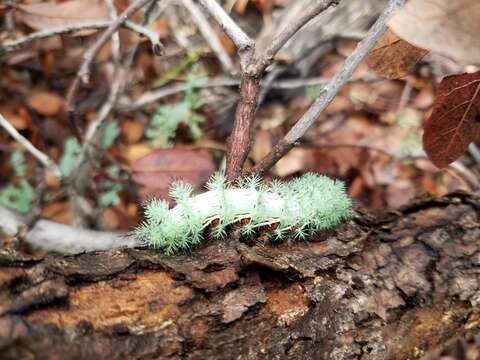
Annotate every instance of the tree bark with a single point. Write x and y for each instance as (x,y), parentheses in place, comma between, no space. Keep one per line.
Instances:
(390,288)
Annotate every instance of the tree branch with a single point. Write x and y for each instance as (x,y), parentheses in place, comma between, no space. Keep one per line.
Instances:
(330,91)
(240,140)
(281,38)
(62,238)
(44,159)
(242,41)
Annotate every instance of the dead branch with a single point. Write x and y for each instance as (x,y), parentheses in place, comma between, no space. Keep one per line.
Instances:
(62,238)
(245,45)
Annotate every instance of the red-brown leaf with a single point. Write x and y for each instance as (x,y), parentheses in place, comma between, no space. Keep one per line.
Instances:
(157,170)
(455,119)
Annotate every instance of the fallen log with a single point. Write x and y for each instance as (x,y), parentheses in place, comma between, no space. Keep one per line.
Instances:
(389,288)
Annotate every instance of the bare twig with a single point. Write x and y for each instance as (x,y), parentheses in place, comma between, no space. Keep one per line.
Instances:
(330,91)
(209,34)
(242,41)
(84,71)
(281,39)
(62,238)
(155,95)
(44,159)
(16,44)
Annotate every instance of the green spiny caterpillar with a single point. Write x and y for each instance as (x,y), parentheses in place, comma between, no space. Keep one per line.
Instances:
(300,208)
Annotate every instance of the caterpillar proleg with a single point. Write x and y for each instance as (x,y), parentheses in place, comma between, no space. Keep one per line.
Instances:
(299,208)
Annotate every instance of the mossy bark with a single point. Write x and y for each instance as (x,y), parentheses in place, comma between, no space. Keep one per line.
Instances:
(390,288)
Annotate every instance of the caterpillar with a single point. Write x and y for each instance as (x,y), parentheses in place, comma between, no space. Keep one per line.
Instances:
(297,208)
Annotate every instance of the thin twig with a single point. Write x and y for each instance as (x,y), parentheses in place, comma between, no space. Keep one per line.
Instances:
(84,71)
(330,91)
(16,44)
(281,38)
(155,95)
(209,34)
(245,45)
(44,159)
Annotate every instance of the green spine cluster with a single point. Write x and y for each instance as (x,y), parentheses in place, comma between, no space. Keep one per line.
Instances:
(300,208)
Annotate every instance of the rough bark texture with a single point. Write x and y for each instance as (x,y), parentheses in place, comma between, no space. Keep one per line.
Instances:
(374,289)
(240,140)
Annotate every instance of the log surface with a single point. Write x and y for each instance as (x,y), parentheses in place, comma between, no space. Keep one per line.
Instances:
(390,288)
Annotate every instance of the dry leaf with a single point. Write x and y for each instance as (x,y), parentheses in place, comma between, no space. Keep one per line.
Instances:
(158,169)
(51,14)
(455,119)
(45,103)
(394,58)
(445,26)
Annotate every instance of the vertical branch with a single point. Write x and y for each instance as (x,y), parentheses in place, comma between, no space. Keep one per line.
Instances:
(239,142)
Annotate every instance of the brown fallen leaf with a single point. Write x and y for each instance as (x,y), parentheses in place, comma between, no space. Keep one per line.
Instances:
(158,169)
(51,14)
(444,26)
(455,119)
(45,103)
(393,57)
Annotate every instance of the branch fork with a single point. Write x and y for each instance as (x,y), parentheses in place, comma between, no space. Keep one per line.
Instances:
(253,69)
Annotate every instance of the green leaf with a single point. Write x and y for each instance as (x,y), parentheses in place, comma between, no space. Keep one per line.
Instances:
(110,197)
(167,118)
(19,198)
(110,134)
(71,149)
(18,163)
